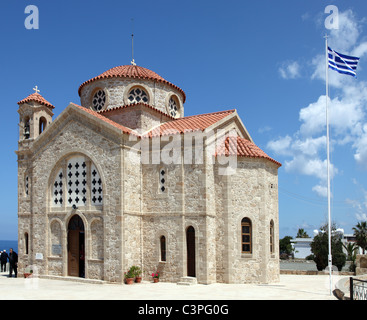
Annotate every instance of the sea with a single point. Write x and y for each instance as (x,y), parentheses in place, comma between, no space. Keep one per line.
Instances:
(7,244)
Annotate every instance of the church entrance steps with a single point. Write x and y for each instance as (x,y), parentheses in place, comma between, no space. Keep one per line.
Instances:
(187,281)
(74,279)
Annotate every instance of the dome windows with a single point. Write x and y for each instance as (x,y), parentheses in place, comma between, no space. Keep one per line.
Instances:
(111,96)
(173,106)
(99,100)
(137,95)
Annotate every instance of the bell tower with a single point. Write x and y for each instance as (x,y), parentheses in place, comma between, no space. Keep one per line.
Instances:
(35,115)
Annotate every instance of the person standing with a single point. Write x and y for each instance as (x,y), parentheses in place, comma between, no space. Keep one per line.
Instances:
(13,261)
(3,260)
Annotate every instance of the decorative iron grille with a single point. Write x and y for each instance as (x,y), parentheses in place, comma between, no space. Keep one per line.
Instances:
(358,289)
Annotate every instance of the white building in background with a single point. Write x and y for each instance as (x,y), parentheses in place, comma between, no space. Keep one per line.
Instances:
(302,246)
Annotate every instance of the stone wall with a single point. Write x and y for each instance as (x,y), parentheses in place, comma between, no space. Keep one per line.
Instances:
(126,230)
(361,264)
(47,226)
(253,197)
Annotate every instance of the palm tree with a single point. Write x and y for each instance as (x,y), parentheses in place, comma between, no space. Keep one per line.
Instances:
(360,232)
(351,249)
(302,234)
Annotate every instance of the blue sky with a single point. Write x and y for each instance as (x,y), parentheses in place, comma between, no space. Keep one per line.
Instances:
(264,58)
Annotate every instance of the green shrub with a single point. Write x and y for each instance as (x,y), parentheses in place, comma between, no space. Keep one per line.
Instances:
(320,249)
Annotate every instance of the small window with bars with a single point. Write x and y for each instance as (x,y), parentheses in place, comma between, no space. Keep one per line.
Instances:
(26,185)
(163,180)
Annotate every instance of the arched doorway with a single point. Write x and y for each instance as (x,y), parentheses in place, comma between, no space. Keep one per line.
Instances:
(190,244)
(76,246)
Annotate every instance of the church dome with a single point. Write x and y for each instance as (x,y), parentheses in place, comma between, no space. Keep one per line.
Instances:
(133,72)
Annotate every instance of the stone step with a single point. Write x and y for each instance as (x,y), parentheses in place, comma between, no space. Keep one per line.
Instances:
(187,281)
(73,279)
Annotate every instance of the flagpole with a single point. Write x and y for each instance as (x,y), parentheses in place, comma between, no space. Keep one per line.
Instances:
(328,162)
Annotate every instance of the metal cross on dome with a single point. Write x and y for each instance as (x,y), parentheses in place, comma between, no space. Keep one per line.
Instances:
(36,89)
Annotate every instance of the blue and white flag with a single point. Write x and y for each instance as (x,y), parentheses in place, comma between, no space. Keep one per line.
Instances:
(342,63)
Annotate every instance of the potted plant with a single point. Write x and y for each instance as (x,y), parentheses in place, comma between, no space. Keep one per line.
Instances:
(137,273)
(28,272)
(155,276)
(129,277)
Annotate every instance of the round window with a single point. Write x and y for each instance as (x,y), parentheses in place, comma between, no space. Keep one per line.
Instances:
(99,100)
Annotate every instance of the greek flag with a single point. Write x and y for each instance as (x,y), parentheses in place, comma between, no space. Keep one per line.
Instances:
(342,63)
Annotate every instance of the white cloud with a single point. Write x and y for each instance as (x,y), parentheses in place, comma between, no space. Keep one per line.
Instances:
(264,129)
(360,206)
(290,70)
(345,38)
(320,190)
(310,146)
(345,113)
(360,145)
(306,148)
(310,166)
(281,146)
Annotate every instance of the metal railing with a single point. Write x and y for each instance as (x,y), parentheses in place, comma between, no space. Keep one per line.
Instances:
(358,289)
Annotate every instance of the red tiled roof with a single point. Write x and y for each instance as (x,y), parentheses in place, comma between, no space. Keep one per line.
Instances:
(37,98)
(231,146)
(130,71)
(192,123)
(242,148)
(93,113)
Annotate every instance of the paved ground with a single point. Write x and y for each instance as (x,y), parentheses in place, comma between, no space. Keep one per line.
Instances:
(290,287)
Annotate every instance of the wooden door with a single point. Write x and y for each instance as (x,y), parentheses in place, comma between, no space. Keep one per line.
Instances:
(73,253)
(190,242)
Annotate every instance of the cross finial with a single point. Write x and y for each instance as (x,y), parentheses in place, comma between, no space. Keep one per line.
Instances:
(36,89)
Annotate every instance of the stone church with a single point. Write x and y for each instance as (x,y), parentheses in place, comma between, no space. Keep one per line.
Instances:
(124,178)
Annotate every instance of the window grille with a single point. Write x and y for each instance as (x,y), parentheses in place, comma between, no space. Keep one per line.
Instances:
(83,184)
(137,95)
(162,181)
(99,100)
(172,107)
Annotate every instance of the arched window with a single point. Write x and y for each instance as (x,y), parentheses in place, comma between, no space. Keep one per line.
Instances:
(99,100)
(42,124)
(26,243)
(173,106)
(137,95)
(246,234)
(27,128)
(78,184)
(271,236)
(163,248)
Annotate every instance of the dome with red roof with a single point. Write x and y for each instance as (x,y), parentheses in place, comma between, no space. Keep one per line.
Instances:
(127,84)
(131,71)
